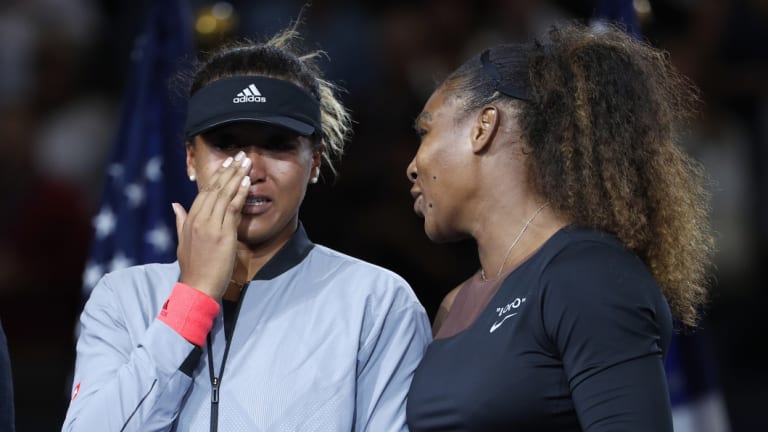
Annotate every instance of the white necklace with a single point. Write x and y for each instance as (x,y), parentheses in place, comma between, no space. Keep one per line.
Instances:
(514,243)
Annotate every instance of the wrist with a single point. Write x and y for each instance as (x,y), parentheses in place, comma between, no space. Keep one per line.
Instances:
(190,312)
(201,287)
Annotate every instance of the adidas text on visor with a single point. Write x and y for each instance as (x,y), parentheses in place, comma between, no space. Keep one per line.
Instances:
(253,98)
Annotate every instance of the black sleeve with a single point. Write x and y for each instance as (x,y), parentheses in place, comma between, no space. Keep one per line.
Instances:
(609,323)
(6,387)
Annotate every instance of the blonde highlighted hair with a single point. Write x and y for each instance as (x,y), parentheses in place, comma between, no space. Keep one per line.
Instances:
(281,57)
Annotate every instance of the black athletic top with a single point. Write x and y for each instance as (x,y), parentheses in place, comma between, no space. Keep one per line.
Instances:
(573,340)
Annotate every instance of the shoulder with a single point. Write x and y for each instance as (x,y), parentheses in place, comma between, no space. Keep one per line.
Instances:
(594,286)
(449,298)
(383,301)
(445,308)
(377,291)
(598,264)
(331,263)
(341,260)
(133,285)
(141,276)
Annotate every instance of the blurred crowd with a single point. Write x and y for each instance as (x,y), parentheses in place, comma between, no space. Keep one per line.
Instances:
(63,66)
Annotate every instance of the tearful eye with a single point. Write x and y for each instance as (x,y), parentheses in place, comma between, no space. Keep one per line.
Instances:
(226,145)
(280,142)
(222,141)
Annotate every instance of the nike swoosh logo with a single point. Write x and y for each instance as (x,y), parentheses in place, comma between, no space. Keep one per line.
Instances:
(498,324)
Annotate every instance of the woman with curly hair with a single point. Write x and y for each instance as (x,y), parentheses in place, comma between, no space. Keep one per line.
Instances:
(558,157)
(254,328)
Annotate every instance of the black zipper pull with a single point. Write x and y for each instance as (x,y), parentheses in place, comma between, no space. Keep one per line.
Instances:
(215,390)
(214,404)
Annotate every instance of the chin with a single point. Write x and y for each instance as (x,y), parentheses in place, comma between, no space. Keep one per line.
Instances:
(250,231)
(252,238)
(256,231)
(440,236)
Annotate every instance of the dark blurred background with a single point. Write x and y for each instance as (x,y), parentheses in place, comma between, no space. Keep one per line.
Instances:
(63,66)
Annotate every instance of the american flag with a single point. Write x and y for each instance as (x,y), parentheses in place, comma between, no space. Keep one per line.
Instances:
(146,172)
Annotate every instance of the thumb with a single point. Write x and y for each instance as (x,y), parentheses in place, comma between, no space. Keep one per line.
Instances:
(181,216)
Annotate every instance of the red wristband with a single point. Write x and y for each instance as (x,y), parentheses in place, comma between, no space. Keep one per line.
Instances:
(189,312)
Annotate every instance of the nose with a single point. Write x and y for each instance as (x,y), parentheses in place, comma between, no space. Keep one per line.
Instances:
(411,171)
(258,171)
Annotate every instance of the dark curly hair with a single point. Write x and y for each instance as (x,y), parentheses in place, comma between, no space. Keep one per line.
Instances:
(280,57)
(600,123)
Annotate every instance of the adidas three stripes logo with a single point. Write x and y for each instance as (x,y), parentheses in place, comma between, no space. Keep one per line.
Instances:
(249,94)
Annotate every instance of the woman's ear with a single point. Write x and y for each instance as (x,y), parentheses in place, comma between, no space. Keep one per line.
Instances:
(484,129)
(190,145)
(317,160)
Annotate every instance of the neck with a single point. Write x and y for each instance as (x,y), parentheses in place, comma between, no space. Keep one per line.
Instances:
(249,259)
(507,241)
(247,264)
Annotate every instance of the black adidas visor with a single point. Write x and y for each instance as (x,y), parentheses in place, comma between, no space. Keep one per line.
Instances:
(253,98)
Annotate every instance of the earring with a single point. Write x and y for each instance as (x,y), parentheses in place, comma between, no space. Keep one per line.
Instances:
(313,180)
(192,177)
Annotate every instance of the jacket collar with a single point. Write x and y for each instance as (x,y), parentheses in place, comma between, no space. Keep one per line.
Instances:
(292,253)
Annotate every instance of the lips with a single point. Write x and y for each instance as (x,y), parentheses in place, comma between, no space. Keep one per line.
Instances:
(417,206)
(418,202)
(256,201)
(256,204)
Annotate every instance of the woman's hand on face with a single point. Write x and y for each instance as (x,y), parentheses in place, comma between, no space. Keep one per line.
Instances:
(208,233)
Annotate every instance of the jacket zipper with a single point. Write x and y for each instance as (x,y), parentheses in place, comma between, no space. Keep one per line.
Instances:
(214,404)
(216,380)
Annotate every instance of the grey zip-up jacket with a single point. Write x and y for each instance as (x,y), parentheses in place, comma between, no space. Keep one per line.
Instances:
(322,342)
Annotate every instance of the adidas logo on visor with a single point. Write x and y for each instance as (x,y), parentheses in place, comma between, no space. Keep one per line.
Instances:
(249,94)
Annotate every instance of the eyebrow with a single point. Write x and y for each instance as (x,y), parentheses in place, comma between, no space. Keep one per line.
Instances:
(427,117)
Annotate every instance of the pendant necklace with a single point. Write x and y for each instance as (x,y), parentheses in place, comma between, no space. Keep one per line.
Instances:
(514,243)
